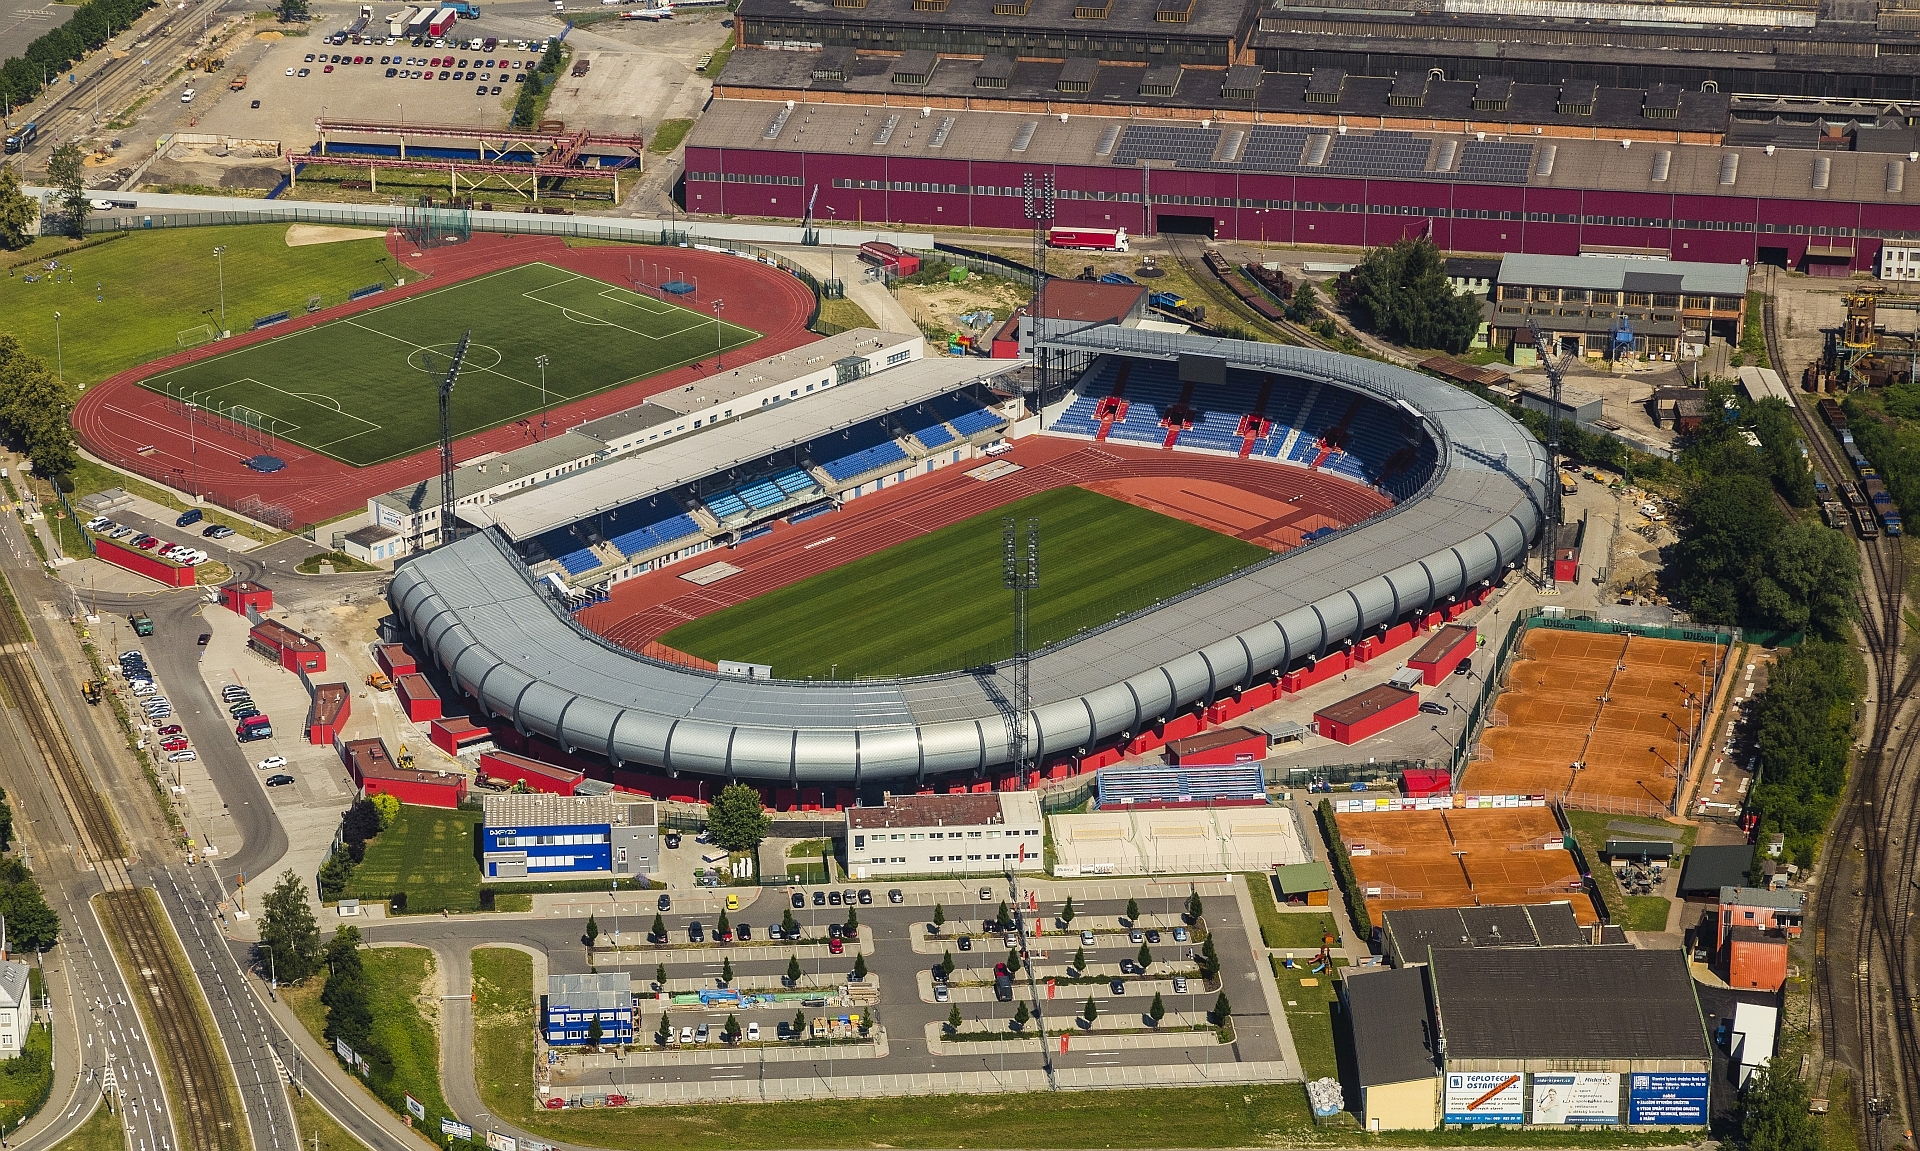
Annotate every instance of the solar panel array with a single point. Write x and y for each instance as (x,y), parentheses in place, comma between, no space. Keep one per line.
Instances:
(1284,149)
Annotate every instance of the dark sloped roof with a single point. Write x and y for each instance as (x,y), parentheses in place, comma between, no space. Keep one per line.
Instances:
(1417,929)
(1568,1003)
(1392,1026)
(1711,868)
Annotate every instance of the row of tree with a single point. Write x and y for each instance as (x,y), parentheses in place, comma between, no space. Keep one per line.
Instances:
(367,818)
(1401,293)
(35,410)
(95,22)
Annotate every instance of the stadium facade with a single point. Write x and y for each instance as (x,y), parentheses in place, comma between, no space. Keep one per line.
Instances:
(1469,483)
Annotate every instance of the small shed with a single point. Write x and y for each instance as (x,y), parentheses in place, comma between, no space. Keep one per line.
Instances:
(394,659)
(1221,747)
(1420,782)
(417,697)
(1367,714)
(328,713)
(1756,960)
(1639,850)
(287,647)
(456,734)
(1443,652)
(1306,883)
(507,767)
(245,595)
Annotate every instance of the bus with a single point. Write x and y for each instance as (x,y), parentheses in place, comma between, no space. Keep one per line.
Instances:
(23,139)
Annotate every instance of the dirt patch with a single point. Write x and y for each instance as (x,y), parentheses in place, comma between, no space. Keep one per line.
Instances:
(942,305)
(303,235)
(1271,523)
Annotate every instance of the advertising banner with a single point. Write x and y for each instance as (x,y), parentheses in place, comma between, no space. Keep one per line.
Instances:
(1583,1097)
(345,1052)
(499,1142)
(458,1130)
(1672,1097)
(416,1108)
(1485,1097)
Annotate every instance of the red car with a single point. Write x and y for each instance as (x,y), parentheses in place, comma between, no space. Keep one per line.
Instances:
(174,744)
(328,68)
(171,729)
(835,946)
(148,544)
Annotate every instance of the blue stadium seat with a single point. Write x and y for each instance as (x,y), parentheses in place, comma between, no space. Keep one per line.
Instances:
(793,481)
(577,562)
(761,494)
(857,451)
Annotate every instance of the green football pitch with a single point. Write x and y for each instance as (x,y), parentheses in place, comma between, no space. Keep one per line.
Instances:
(363,389)
(936,603)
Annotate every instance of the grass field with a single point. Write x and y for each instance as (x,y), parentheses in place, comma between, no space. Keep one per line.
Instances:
(1301,931)
(406,1026)
(362,388)
(152,285)
(102,1132)
(427,853)
(936,602)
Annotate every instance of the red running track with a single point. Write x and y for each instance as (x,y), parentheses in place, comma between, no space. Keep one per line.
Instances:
(133,428)
(641,609)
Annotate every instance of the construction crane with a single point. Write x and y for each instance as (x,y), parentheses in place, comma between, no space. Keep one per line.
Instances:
(448,528)
(1552,364)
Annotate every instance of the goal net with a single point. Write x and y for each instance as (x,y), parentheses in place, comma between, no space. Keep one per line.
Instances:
(194,337)
(428,225)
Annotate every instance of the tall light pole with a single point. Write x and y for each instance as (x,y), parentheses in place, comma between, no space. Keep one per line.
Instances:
(59,371)
(542,361)
(220,266)
(719,364)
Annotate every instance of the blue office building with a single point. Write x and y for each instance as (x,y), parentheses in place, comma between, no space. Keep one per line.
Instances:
(575,1001)
(536,835)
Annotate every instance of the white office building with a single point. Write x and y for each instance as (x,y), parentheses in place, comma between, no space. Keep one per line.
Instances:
(974,834)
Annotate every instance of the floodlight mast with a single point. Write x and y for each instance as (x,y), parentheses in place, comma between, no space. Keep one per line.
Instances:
(447,526)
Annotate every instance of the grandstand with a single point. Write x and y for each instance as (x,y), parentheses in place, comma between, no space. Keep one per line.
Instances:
(1470,480)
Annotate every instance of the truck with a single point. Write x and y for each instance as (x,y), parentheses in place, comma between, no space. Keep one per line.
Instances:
(442,22)
(142,623)
(92,690)
(417,27)
(1096,239)
(397,23)
(581,65)
(21,140)
(378,681)
(361,21)
(889,258)
(464,10)
(238,83)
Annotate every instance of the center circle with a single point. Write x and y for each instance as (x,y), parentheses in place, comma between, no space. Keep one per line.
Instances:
(443,355)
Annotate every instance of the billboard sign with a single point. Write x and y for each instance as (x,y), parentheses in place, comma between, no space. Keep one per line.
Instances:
(1670,1097)
(1485,1097)
(455,1129)
(416,1108)
(499,1142)
(1583,1097)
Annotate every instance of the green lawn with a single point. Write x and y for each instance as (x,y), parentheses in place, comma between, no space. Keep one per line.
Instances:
(1646,913)
(398,979)
(504,1025)
(318,1131)
(427,853)
(153,285)
(1309,1017)
(26,1079)
(361,389)
(102,1132)
(935,603)
(1299,930)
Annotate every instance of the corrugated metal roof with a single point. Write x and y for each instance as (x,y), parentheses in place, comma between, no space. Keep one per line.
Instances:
(1613,274)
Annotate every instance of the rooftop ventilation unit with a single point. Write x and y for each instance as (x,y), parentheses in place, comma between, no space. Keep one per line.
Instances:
(1449,150)
(1315,152)
(1729,169)
(779,122)
(1025,136)
(1543,166)
(940,133)
(1108,139)
(1662,164)
(1822,172)
(1896,177)
(1236,140)
(886,131)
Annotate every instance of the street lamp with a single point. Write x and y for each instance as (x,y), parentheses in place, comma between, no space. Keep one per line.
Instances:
(220,266)
(542,361)
(58,370)
(719,364)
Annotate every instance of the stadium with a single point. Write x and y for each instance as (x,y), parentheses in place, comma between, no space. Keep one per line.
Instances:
(1354,502)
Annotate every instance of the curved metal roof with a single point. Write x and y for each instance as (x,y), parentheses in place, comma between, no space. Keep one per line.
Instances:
(480,616)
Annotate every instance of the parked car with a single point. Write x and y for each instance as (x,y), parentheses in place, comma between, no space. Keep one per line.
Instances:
(1153,936)
(175,744)
(686,1035)
(1118,987)
(279,780)
(1086,939)
(986,894)
(696,933)
(666,903)
(1136,936)
(833,897)
(866,897)
(966,943)
(753,1033)
(170,729)
(774,931)
(1180,935)
(835,931)
(1432,708)
(896,896)
(745,933)
(272,762)
(701,1033)
(182,757)
(940,992)
(819,899)
(835,947)
(1179,985)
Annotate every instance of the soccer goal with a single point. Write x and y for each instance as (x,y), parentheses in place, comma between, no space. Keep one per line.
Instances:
(194,337)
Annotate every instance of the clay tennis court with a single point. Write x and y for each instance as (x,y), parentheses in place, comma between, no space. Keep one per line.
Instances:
(1616,704)
(1505,856)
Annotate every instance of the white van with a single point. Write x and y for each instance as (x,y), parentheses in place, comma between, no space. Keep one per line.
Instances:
(187,96)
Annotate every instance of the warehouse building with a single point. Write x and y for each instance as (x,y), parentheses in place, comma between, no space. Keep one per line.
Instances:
(536,835)
(327,715)
(281,644)
(946,835)
(1395,1065)
(1581,301)
(1412,935)
(575,1002)
(374,772)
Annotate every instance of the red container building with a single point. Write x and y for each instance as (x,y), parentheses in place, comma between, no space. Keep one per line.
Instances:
(287,647)
(510,768)
(394,659)
(238,597)
(327,714)
(417,697)
(1363,716)
(454,734)
(1755,959)
(1221,747)
(884,255)
(376,774)
(143,563)
(1443,652)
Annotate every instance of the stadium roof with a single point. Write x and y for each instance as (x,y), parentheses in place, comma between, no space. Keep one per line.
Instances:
(479,614)
(1083,140)
(1568,1003)
(672,463)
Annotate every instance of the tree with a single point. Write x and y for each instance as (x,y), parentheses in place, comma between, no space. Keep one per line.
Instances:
(1157,1011)
(293,11)
(1013,959)
(1305,304)
(953,1018)
(660,976)
(946,962)
(1002,917)
(1079,959)
(1209,960)
(1133,912)
(1145,958)
(19,212)
(388,808)
(859,968)
(1091,1011)
(788,927)
(349,1016)
(35,408)
(335,873)
(799,1024)
(594,1032)
(868,1019)
(731,1030)
(1021,1015)
(67,176)
(726,971)
(593,929)
(853,923)
(6,818)
(526,105)
(31,924)
(794,972)
(659,932)
(1773,1113)
(665,1030)
(1402,293)
(1193,907)
(1066,913)
(939,917)
(289,931)
(1221,1009)
(550,61)
(736,820)
(724,926)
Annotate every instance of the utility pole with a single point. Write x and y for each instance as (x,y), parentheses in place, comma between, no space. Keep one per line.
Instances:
(719,331)
(59,370)
(1036,204)
(1550,529)
(542,361)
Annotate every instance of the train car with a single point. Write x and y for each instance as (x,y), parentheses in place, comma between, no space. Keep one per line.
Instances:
(1094,239)
(1890,520)
(1865,523)
(1850,492)
(1836,418)
(1835,514)
(1876,491)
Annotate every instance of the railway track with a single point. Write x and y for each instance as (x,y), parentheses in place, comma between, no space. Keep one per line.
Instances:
(181,1036)
(1875,834)
(1221,298)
